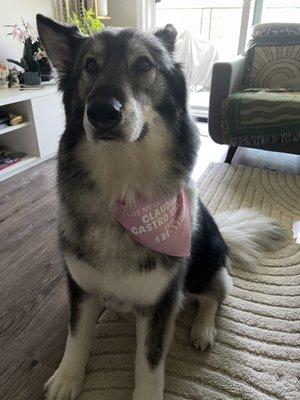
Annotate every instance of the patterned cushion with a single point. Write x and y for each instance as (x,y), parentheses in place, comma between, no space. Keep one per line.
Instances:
(273,62)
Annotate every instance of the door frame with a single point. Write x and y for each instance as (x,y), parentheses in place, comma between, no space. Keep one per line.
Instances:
(145,11)
(244,26)
(258,10)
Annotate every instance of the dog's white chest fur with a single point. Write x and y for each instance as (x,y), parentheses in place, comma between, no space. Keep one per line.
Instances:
(114,276)
(121,290)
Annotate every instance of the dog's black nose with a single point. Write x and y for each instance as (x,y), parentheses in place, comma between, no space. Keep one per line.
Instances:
(105,113)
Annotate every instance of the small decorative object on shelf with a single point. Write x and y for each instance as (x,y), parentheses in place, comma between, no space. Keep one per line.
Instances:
(7,119)
(34,61)
(13,78)
(4,72)
(15,119)
(9,157)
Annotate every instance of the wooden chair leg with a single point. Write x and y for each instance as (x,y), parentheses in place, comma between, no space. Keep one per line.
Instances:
(230,154)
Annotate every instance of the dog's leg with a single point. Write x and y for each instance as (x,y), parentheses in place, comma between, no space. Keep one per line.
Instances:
(203,332)
(67,381)
(154,335)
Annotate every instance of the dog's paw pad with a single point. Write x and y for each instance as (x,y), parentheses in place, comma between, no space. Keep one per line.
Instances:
(64,386)
(203,337)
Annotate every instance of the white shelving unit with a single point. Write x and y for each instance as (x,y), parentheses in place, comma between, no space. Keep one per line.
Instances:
(14,128)
(22,165)
(39,135)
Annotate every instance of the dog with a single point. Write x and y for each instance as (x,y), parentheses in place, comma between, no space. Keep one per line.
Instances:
(133,234)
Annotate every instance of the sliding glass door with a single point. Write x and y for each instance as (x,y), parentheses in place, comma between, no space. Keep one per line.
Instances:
(217,21)
(277,11)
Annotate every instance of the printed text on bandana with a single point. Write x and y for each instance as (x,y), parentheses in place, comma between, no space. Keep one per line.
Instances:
(156,215)
(163,225)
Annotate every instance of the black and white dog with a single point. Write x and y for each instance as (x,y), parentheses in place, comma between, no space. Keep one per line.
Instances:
(129,139)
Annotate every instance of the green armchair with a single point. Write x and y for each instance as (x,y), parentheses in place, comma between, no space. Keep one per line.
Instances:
(255,99)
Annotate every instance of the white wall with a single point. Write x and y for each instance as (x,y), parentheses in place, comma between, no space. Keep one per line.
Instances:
(122,12)
(11,12)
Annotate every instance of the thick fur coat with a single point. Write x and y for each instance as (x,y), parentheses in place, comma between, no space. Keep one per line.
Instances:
(128,132)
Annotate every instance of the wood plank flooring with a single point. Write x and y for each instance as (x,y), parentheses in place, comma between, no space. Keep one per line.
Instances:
(33,303)
(33,299)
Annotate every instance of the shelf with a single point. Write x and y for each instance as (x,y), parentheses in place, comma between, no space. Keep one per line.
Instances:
(14,127)
(103,17)
(34,137)
(26,162)
(14,95)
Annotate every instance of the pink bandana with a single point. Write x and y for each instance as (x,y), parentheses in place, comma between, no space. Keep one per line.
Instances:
(163,226)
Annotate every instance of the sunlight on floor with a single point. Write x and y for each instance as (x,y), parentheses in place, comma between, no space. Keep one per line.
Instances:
(209,152)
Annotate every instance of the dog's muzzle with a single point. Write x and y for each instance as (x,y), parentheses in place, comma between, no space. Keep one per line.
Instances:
(105,115)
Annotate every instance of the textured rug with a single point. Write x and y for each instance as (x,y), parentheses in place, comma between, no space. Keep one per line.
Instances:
(257,352)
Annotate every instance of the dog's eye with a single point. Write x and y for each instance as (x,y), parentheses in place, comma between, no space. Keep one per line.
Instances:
(91,66)
(143,64)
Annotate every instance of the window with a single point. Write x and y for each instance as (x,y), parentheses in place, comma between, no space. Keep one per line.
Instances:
(217,21)
(280,11)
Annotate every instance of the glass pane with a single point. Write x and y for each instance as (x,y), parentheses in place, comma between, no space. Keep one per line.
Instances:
(281,11)
(217,21)
(182,19)
(225,30)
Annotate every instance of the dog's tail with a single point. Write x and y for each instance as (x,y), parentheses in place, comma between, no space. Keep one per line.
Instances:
(249,235)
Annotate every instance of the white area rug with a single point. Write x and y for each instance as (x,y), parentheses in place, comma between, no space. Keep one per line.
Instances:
(257,352)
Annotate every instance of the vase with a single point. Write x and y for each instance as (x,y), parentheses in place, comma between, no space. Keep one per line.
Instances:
(32,78)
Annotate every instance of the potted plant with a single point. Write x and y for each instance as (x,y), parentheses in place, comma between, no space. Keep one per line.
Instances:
(31,74)
(34,62)
(87,23)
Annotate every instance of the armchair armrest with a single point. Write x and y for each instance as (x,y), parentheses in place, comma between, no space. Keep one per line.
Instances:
(226,79)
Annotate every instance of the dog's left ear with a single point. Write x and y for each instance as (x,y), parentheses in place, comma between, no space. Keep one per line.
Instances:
(59,41)
(168,36)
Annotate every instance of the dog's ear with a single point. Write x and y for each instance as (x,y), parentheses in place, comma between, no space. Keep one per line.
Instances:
(168,36)
(59,41)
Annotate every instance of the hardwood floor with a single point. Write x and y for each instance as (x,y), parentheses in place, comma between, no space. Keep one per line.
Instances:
(33,299)
(33,303)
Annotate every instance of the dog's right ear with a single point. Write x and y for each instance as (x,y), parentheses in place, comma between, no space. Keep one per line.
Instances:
(168,36)
(59,41)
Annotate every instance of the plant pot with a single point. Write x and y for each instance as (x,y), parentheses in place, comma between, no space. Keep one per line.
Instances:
(31,78)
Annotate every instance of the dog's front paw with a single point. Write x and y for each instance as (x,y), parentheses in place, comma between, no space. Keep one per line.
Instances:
(64,385)
(203,336)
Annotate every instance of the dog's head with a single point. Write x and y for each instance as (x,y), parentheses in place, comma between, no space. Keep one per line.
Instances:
(115,81)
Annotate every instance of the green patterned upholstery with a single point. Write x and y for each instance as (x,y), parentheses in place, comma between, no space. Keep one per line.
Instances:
(257,116)
(273,62)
